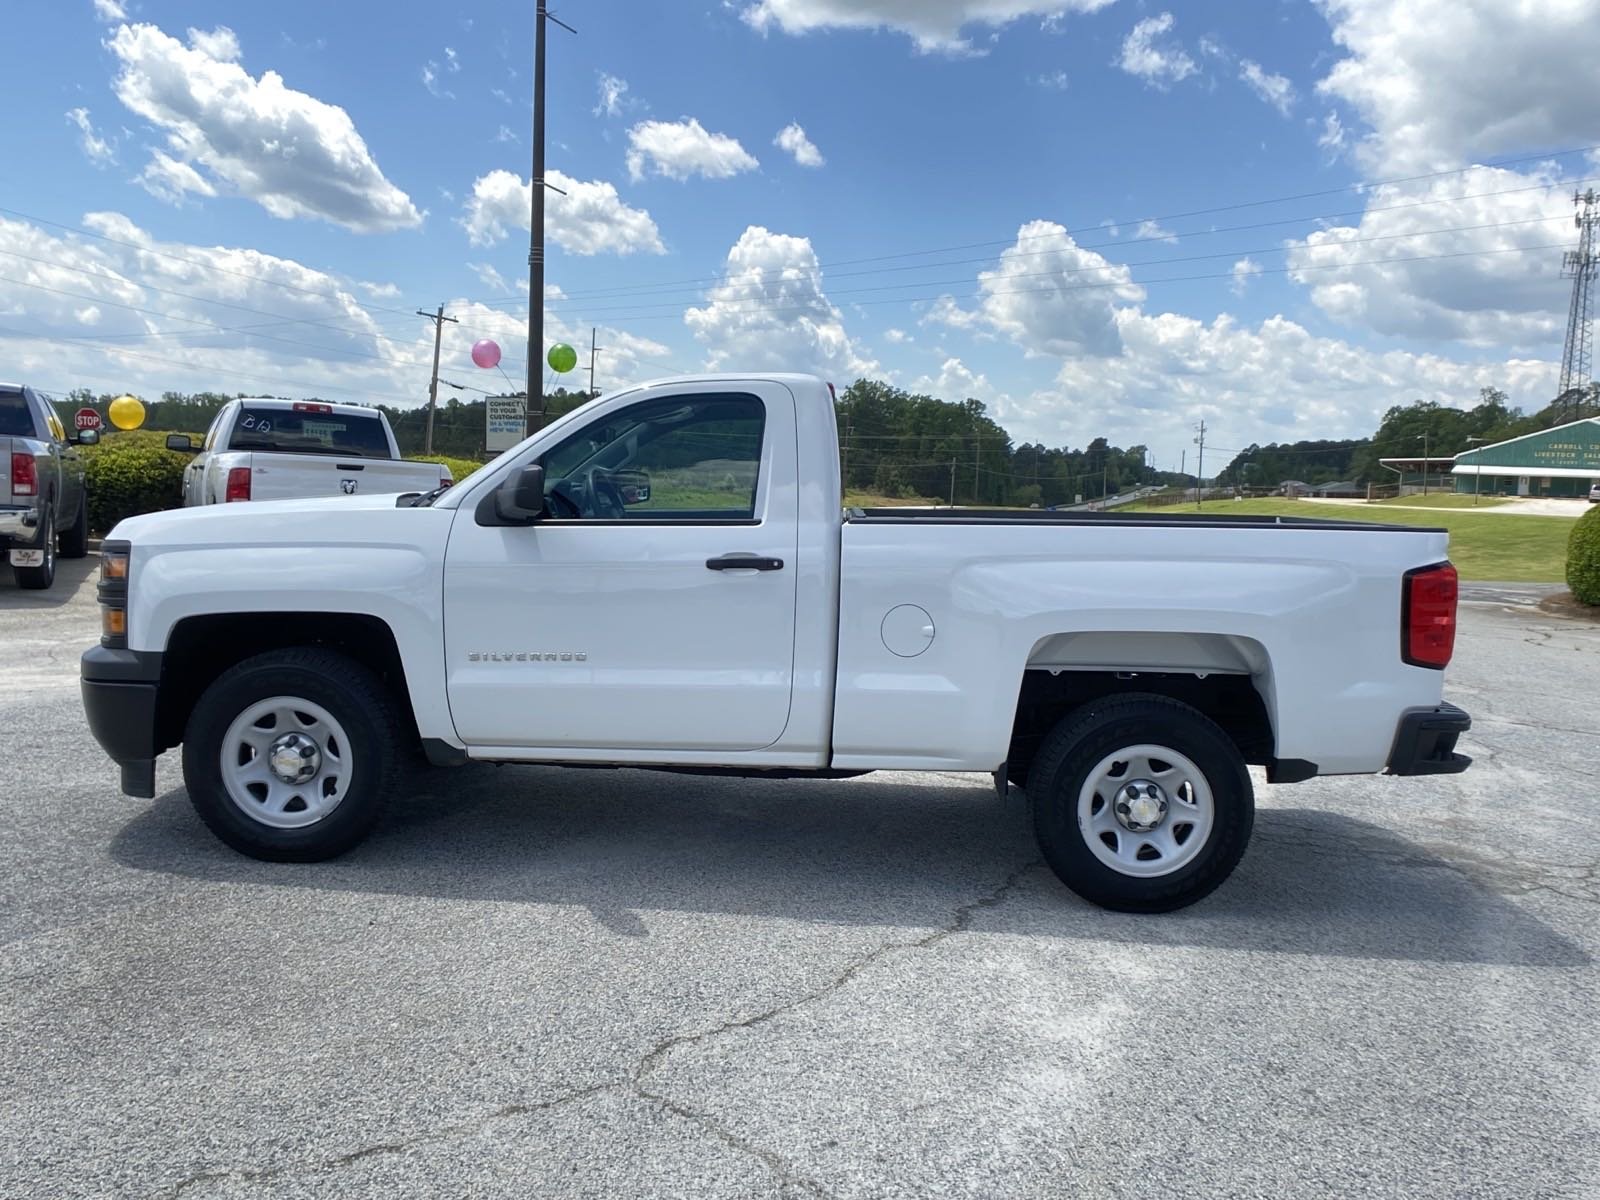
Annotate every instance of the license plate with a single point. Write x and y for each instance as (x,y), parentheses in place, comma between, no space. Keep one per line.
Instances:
(27,558)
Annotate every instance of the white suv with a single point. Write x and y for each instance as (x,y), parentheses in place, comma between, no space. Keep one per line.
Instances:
(1594,492)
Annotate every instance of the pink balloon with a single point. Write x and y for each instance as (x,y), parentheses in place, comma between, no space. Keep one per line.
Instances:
(485,353)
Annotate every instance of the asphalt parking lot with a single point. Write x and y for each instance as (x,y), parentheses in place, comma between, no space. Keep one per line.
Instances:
(544,983)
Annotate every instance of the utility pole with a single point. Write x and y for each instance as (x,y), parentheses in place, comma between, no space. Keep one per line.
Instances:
(438,319)
(844,454)
(1200,471)
(1425,462)
(593,350)
(536,186)
(977,449)
(952,481)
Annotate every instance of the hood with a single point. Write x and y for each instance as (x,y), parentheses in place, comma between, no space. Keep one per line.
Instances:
(272,522)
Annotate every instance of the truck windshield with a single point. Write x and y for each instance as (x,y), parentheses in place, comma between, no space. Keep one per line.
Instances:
(15,419)
(347,435)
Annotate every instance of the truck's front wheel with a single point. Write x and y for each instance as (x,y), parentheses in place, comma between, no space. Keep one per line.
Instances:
(289,756)
(1140,803)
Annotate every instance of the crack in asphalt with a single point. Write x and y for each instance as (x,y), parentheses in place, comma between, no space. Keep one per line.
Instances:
(960,922)
(787,1175)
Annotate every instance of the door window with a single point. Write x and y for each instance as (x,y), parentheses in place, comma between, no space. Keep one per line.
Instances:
(681,458)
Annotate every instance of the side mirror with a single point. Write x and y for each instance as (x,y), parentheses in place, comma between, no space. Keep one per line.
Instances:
(88,437)
(180,442)
(517,501)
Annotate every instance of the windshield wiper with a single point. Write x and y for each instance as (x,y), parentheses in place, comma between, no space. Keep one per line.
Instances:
(426,499)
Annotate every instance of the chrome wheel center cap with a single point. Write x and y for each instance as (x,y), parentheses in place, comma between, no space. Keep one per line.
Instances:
(1140,805)
(294,758)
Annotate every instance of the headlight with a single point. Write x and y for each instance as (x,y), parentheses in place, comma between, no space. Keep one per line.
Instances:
(113,594)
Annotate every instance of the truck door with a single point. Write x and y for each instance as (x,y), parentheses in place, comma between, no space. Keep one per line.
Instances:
(654,607)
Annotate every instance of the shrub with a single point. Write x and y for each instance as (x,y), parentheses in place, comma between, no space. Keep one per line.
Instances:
(1583,558)
(460,468)
(130,473)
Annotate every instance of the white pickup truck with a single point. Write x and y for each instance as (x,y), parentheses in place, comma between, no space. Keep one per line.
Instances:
(664,578)
(267,449)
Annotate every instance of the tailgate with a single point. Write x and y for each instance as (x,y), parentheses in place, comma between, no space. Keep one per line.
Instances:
(293,476)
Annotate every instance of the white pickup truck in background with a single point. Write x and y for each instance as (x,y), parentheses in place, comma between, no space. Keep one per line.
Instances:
(664,578)
(266,449)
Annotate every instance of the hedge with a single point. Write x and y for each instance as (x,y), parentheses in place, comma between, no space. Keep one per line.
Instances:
(132,472)
(1583,558)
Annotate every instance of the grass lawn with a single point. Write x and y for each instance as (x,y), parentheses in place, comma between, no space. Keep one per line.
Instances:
(1506,548)
(1443,500)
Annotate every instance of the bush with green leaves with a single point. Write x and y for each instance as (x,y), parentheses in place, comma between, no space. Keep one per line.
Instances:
(130,473)
(460,468)
(1583,558)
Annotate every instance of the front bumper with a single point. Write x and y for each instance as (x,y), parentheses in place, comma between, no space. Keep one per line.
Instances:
(119,698)
(1425,742)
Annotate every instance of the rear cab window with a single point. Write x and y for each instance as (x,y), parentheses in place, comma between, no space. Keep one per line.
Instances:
(309,429)
(16,418)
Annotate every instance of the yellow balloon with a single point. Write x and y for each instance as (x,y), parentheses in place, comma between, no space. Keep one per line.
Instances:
(126,412)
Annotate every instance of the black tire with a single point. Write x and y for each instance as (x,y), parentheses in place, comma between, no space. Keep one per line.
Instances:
(345,689)
(75,541)
(1082,741)
(41,577)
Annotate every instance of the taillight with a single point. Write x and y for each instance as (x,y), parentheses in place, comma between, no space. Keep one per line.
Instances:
(24,475)
(445,479)
(1428,616)
(238,484)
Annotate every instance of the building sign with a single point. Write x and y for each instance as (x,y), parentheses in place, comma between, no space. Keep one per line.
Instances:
(1574,447)
(505,422)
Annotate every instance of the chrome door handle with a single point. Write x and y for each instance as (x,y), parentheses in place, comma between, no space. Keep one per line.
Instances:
(744,562)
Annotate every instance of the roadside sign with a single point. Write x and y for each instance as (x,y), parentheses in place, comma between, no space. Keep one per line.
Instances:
(86,418)
(505,422)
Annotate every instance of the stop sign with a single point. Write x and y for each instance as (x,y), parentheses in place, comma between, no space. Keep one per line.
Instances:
(86,418)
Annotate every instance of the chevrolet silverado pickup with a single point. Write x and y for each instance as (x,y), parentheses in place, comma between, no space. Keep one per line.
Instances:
(665,578)
(44,504)
(266,449)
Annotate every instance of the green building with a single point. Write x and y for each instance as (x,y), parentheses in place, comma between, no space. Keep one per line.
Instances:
(1563,461)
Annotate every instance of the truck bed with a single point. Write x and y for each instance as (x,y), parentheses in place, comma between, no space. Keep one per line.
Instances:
(1032,516)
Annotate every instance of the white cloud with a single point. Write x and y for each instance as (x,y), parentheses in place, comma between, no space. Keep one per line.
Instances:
(769,312)
(1243,271)
(289,152)
(1275,90)
(955,381)
(220,43)
(1445,81)
(590,219)
(95,147)
(934,25)
(680,149)
(500,95)
(504,134)
(793,139)
(110,10)
(1332,137)
(1047,295)
(430,80)
(1153,231)
(451,60)
(1055,81)
(1274,382)
(1497,288)
(1159,65)
(490,277)
(168,179)
(613,95)
(897,337)
(380,291)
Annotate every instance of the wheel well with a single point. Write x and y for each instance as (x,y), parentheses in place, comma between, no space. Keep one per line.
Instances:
(200,649)
(1230,700)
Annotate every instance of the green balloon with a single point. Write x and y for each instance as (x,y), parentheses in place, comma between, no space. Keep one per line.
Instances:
(562,358)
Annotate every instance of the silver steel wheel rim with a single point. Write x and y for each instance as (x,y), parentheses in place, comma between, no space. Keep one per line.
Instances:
(1156,834)
(286,762)
(50,542)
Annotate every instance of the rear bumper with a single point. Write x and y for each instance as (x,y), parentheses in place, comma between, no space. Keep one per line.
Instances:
(119,699)
(18,526)
(1425,742)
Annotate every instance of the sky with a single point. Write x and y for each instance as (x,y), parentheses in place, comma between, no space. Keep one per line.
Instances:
(1097,217)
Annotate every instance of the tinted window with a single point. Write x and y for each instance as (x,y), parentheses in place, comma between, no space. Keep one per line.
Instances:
(683,458)
(16,419)
(345,434)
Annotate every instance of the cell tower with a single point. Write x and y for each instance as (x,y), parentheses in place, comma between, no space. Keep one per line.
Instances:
(1581,266)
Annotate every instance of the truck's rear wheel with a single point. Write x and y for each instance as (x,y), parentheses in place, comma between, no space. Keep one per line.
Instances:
(1140,803)
(289,756)
(75,541)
